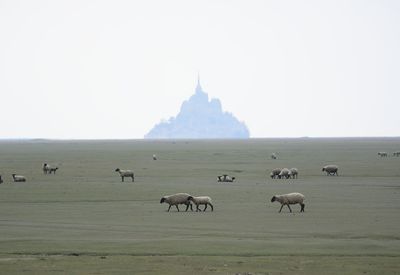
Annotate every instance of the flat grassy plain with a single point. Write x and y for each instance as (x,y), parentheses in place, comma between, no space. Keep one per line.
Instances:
(83,220)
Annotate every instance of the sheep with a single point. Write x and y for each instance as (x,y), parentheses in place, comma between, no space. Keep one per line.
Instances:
(382,154)
(203,200)
(1,180)
(273,156)
(154,157)
(125,173)
(275,173)
(331,170)
(397,154)
(294,172)
(291,198)
(176,199)
(18,178)
(285,173)
(48,169)
(225,178)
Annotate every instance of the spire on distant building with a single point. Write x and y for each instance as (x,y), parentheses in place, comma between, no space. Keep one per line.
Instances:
(198,88)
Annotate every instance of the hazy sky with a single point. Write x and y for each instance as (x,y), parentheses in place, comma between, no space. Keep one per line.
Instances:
(112,69)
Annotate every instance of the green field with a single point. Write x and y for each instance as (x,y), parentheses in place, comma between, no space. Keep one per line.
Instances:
(83,220)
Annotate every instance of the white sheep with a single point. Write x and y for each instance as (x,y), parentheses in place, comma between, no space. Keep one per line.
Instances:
(275,173)
(331,170)
(291,198)
(202,200)
(285,173)
(18,178)
(48,169)
(154,157)
(125,173)
(176,199)
(294,172)
(382,154)
(273,156)
(225,178)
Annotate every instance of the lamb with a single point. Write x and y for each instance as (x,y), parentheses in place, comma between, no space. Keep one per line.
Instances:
(18,178)
(273,156)
(285,173)
(331,170)
(291,198)
(383,154)
(203,200)
(176,199)
(225,178)
(397,154)
(275,173)
(48,169)
(294,172)
(125,173)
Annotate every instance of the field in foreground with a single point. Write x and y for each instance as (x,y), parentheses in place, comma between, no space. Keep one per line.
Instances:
(83,220)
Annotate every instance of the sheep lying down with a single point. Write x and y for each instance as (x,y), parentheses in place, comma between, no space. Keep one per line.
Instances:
(291,198)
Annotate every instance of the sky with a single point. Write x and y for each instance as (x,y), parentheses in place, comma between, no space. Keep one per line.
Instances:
(112,69)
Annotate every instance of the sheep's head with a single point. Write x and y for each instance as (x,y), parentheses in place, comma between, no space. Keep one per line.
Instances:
(233,178)
(162,200)
(323,169)
(190,198)
(273,199)
(117,170)
(272,175)
(13,175)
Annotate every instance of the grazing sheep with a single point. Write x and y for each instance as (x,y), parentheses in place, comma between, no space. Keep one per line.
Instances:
(397,154)
(275,173)
(125,173)
(273,156)
(225,178)
(292,198)
(154,157)
(383,154)
(48,169)
(18,178)
(294,172)
(285,173)
(1,180)
(203,200)
(176,199)
(331,170)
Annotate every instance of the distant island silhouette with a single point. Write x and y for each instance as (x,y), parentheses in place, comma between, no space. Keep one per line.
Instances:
(200,118)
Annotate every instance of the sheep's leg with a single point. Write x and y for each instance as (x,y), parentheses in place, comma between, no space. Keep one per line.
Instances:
(302,207)
(212,207)
(169,208)
(205,207)
(177,207)
(289,208)
(122,178)
(281,208)
(133,179)
(187,207)
(197,208)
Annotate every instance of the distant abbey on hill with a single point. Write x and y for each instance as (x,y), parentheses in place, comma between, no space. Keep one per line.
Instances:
(200,118)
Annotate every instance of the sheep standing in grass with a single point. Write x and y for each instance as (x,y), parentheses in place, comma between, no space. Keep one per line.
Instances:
(154,157)
(125,173)
(294,172)
(383,154)
(291,198)
(202,200)
(18,178)
(396,154)
(48,169)
(285,173)
(275,173)
(176,199)
(331,170)
(273,156)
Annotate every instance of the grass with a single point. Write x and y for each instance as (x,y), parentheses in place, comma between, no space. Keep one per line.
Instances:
(351,224)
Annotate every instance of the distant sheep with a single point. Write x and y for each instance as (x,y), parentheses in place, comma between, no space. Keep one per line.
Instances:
(18,178)
(225,178)
(331,170)
(273,156)
(176,199)
(275,173)
(203,200)
(285,173)
(294,173)
(383,154)
(291,198)
(396,154)
(154,157)
(48,169)
(125,173)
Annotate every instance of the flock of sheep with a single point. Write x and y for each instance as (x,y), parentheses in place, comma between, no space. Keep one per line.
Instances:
(187,199)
